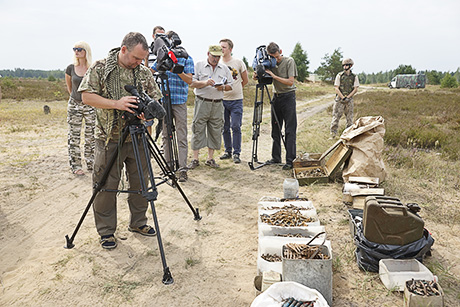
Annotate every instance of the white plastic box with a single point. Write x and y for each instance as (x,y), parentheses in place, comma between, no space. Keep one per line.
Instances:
(266,230)
(394,272)
(274,246)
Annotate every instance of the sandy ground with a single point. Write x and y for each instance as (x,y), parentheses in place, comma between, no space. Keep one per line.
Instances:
(212,261)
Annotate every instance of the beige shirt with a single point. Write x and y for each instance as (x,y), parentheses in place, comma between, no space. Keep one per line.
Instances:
(237,67)
(204,71)
(285,69)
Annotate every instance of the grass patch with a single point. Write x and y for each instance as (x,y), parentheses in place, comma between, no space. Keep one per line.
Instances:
(189,262)
(422,119)
(29,88)
(121,287)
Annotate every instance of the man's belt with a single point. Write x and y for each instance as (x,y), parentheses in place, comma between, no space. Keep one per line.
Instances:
(211,100)
(283,94)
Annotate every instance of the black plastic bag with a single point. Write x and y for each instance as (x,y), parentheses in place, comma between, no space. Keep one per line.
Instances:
(368,254)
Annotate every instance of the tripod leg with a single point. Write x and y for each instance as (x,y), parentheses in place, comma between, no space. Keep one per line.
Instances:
(149,196)
(96,189)
(257,119)
(161,161)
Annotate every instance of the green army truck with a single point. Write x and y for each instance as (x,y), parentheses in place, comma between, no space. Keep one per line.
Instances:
(408,81)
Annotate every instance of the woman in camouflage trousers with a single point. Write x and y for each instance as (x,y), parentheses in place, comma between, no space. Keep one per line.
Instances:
(77,111)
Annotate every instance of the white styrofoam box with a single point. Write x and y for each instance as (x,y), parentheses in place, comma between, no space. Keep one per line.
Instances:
(307,232)
(314,223)
(263,265)
(269,199)
(301,204)
(274,246)
(395,272)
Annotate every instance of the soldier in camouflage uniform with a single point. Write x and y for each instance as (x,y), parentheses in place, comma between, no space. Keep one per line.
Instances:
(103,88)
(346,85)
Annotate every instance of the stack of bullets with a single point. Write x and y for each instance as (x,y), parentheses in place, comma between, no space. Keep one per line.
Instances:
(286,207)
(303,251)
(423,287)
(290,235)
(291,302)
(294,199)
(271,258)
(286,218)
(315,172)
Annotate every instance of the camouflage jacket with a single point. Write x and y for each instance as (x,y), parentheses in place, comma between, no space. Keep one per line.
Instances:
(346,83)
(107,79)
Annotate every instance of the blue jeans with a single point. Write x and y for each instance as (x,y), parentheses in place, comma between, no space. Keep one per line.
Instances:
(233,115)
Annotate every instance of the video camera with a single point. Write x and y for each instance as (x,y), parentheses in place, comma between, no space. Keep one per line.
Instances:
(261,62)
(167,50)
(151,108)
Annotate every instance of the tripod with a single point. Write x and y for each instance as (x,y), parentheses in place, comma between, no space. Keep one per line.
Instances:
(139,135)
(257,119)
(171,142)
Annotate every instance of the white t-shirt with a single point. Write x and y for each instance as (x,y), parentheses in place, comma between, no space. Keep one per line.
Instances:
(237,67)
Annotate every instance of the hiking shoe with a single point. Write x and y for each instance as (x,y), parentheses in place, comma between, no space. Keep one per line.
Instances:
(108,242)
(236,158)
(212,163)
(193,164)
(226,155)
(287,167)
(183,176)
(273,161)
(145,230)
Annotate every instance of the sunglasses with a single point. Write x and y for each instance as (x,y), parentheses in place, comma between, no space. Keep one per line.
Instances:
(78,49)
(346,65)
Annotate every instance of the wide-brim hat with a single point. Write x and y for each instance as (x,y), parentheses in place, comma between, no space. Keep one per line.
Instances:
(215,50)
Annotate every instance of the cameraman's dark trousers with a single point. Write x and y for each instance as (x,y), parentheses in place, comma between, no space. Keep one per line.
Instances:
(105,203)
(284,106)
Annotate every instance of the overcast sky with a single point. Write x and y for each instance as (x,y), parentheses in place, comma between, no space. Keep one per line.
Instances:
(377,35)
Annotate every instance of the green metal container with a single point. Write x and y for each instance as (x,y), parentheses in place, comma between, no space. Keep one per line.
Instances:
(390,222)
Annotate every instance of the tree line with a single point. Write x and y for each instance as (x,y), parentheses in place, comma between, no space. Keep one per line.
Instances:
(329,67)
(32,73)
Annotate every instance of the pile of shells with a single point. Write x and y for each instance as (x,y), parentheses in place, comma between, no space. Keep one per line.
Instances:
(286,207)
(423,287)
(314,172)
(294,199)
(303,251)
(290,235)
(286,218)
(271,258)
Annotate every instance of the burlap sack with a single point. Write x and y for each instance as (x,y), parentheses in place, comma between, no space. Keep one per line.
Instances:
(365,137)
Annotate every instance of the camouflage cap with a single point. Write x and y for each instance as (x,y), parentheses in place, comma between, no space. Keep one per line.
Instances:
(215,50)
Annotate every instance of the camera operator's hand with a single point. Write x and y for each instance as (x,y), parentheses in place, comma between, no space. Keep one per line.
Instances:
(270,73)
(142,116)
(125,103)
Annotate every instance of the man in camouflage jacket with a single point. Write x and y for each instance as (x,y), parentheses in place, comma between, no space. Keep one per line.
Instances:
(103,88)
(346,85)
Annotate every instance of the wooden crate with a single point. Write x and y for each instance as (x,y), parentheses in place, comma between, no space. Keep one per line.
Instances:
(330,162)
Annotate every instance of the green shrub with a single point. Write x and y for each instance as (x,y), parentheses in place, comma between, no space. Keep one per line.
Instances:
(449,82)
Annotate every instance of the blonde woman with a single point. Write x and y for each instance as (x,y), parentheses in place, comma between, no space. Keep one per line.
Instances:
(77,111)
